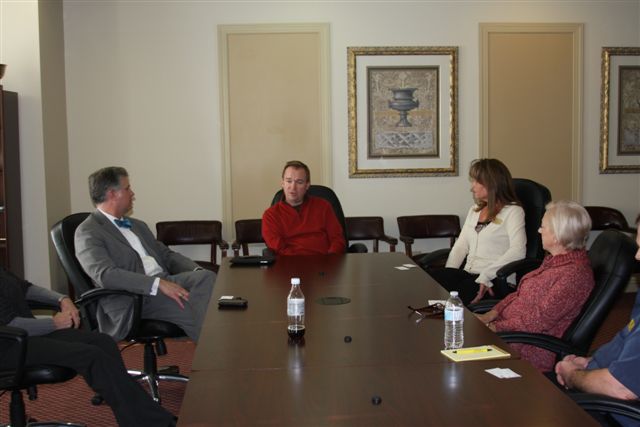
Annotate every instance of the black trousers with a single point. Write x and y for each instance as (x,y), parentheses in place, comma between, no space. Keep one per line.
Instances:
(96,357)
(456,279)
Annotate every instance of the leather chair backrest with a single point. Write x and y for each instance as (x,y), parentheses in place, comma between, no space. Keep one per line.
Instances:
(603,218)
(327,194)
(249,231)
(534,198)
(429,226)
(612,260)
(63,236)
(191,232)
(365,227)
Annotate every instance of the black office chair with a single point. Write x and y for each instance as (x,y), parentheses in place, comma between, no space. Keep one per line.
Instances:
(149,332)
(612,260)
(328,194)
(15,377)
(194,232)
(369,228)
(248,231)
(598,404)
(603,218)
(534,198)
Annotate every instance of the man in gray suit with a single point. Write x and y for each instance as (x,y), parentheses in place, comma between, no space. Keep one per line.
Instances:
(122,253)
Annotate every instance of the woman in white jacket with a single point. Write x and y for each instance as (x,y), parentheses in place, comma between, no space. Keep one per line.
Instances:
(493,234)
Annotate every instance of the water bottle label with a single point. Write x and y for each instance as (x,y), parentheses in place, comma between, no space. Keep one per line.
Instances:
(453,315)
(295,307)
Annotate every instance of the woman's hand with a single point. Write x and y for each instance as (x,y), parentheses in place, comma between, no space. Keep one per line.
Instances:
(482,290)
(69,309)
(487,317)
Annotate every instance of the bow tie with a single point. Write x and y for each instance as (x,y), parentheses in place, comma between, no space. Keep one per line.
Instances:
(123,223)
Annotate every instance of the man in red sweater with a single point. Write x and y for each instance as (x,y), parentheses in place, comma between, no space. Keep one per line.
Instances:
(301,224)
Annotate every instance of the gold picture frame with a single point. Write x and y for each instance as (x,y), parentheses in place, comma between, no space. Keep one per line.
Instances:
(403,111)
(620,110)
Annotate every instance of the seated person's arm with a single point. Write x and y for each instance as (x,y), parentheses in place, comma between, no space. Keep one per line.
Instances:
(96,261)
(337,244)
(41,326)
(514,223)
(43,295)
(572,374)
(272,233)
(460,248)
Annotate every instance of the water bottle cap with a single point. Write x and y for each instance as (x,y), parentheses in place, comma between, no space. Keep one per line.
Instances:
(454,293)
(295,280)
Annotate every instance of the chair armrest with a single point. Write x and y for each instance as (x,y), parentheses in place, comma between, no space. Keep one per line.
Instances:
(407,240)
(601,403)
(520,267)
(13,375)
(547,342)
(358,248)
(483,306)
(389,240)
(438,256)
(224,245)
(93,296)
(35,305)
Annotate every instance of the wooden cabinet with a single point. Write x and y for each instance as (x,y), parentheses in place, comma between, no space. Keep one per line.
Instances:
(10,204)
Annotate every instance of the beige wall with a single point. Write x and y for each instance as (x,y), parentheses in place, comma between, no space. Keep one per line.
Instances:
(142,92)
(54,115)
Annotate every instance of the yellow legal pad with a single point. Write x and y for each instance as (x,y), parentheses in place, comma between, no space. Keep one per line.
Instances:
(481,352)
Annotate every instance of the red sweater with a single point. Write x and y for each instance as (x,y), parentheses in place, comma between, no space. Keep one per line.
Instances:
(547,301)
(310,229)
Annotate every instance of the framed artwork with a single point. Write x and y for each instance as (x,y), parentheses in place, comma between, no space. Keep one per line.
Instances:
(402,111)
(620,110)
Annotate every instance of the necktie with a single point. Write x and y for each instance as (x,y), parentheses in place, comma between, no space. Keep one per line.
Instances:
(124,223)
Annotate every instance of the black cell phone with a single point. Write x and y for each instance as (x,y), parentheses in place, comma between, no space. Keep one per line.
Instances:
(229,301)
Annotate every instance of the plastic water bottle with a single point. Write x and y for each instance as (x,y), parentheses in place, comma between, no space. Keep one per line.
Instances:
(453,322)
(295,310)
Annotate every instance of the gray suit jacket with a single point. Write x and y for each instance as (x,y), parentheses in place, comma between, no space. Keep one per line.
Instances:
(107,257)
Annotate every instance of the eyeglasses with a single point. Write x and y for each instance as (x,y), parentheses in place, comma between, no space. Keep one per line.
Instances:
(433,310)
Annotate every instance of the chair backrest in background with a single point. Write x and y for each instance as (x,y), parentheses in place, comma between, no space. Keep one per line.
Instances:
(612,260)
(534,197)
(194,232)
(248,231)
(369,228)
(63,237)
(412,227)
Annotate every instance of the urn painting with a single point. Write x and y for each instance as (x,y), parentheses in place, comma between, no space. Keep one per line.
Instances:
(403,111)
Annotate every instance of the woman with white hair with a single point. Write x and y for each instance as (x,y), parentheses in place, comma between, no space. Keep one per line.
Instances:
(549,299)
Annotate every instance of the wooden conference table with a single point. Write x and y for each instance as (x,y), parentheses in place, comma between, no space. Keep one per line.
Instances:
(368,362)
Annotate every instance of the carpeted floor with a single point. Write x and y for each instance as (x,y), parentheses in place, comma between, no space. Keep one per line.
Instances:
(71,401)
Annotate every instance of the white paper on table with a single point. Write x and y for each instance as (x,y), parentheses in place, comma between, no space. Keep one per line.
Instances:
(437,301)
(503,373)
(400,267)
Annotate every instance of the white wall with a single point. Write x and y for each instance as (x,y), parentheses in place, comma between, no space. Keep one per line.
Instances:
(20,50)
(142,92)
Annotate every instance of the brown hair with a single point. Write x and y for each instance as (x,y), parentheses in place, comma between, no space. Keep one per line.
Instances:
(297,164)
(495,176)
